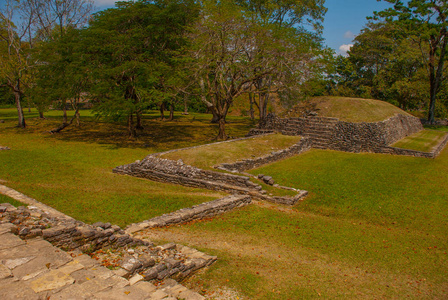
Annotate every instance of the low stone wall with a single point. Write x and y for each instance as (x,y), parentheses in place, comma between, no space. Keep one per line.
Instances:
(347,136)
(165,170)
(372,137)
(247,164)
(200,211)
(433,154)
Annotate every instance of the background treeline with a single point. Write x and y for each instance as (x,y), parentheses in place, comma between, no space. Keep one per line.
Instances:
(166,54)
(205,55)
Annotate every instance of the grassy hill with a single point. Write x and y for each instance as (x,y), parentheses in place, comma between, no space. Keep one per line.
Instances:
(347,109)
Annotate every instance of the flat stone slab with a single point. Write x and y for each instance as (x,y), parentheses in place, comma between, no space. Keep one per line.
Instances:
(5,272)
(6,228)
(9,240)
(51,280)
(12,289)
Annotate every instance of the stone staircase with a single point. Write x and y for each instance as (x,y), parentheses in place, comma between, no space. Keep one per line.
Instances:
(318,130)
(294,126)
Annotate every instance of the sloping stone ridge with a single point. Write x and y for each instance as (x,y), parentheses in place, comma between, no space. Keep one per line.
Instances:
(159,169)
(200,211)
(330,133)
(165,170)
(247,164)
(152,262)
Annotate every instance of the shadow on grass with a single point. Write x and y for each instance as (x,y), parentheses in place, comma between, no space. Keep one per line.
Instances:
(183,131)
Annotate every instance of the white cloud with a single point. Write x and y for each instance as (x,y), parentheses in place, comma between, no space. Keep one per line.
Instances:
(349,35)
(343,49)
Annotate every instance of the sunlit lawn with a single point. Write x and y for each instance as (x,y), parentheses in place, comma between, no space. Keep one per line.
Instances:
(373,227)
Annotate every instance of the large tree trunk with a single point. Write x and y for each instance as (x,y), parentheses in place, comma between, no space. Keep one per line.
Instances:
(263,108)
(171,111)
(215,118)
(251,109)
(435,77)
(21,116)
(185,105)
(139,124)
(162,109)
(222,129)
(132,133)
(41,115)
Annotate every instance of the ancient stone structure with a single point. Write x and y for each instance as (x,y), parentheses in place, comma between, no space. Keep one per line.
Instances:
(330,133)
(165,170)
(200,211)
(247,164)
(148,260)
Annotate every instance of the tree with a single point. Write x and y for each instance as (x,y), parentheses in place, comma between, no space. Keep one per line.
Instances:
(284,46)
(221,40)
(426,21)
(131,49)
(253,47)
(51,20)
(15,61)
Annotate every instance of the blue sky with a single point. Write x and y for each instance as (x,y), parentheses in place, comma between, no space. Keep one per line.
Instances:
(345,19)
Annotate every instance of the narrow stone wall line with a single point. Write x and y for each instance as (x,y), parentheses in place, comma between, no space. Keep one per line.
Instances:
(197,212)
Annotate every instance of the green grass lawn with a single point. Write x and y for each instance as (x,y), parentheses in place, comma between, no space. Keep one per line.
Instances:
(210,155)
(373,226)
(72,171)
(424,140)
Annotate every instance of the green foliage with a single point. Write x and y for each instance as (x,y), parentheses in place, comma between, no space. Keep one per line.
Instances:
(425,21)
(132,51)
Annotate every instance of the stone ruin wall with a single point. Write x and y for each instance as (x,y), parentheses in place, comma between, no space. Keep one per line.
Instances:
(154,262)
(353,137)
(165,170)
(247,164)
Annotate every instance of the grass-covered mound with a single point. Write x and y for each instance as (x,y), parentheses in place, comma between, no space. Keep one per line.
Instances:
(206,157)
(347,109)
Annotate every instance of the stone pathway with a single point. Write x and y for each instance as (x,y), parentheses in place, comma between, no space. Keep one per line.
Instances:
(35,269)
